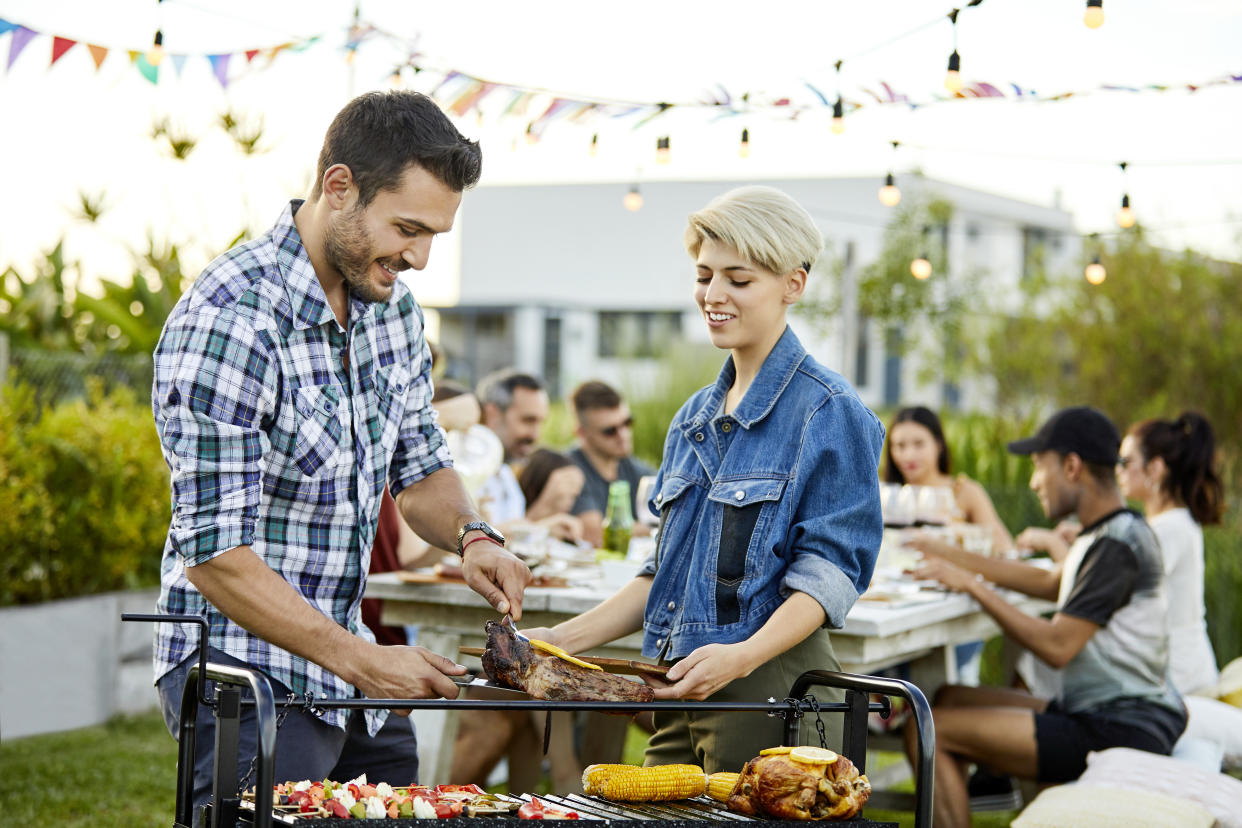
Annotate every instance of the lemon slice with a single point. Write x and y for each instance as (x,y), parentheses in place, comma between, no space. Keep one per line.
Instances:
(775,751)
(808,755)
(552,649)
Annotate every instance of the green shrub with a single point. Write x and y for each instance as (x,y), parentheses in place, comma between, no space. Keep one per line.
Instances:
(84,503)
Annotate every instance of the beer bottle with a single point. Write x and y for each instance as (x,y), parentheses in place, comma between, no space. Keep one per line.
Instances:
(618,520)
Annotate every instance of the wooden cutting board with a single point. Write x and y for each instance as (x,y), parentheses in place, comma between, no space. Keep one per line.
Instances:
(620,666)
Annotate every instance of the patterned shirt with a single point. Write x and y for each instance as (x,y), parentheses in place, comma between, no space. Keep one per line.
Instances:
(281,428)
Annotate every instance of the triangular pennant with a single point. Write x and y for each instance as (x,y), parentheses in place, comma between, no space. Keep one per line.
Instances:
(98,53)
(60,45)
(250,53)
(178,63)
(220,67)
(21,36)
(151,73)
(6,26)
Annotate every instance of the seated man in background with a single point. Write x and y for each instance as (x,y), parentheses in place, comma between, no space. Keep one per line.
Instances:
(1109,634)
(605,432)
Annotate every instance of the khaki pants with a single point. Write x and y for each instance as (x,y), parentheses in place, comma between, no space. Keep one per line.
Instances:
(725,741)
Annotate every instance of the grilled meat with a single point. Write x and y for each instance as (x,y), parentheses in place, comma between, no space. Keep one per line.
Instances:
(781,787)
(510,661)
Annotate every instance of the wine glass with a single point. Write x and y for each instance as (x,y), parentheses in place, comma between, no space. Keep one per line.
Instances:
(643,493)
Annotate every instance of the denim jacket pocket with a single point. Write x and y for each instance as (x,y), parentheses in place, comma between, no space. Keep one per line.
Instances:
(319,427)
(746,508)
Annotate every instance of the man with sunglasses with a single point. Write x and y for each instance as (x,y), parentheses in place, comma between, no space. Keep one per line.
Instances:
(605,434)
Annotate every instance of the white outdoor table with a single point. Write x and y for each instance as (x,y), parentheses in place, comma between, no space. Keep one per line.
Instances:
(451,615)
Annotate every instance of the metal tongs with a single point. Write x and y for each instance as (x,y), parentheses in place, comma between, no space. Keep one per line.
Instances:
(508,622)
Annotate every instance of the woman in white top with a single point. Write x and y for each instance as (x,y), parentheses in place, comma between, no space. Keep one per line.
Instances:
(1168,465)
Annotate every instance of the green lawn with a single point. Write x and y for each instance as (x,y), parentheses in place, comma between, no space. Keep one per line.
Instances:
(123,775)
(118,775)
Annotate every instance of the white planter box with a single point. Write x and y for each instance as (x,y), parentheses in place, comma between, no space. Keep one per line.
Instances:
(72,663)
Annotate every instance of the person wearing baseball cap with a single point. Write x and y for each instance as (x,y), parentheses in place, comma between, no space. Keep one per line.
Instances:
(1108,635)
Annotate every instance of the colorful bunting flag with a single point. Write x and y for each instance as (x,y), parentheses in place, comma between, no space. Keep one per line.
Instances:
(60,45)
(98,53)
(220,67)
(21,36)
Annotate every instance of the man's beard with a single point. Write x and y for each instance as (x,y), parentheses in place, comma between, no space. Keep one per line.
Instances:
(348,247)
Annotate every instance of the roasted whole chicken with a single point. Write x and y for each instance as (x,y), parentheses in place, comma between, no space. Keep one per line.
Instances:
(513,662)
(802,783)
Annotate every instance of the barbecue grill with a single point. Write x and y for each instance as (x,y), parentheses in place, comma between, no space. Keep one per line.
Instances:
(229,811)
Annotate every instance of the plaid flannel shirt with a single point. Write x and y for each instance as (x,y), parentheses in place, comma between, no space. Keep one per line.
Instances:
(274,443)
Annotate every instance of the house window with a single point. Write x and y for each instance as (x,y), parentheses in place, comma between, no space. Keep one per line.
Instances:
(1036,242)
(862,353)
(637,333)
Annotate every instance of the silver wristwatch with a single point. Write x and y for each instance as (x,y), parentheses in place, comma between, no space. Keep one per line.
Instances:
(478,526)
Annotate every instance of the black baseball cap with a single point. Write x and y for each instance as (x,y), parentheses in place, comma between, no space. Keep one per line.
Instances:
(1080,430)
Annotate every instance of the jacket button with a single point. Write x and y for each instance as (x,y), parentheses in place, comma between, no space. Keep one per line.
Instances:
(726,427)
(659,642)
(659,499)
(672,605)
(698,437)
(739,495)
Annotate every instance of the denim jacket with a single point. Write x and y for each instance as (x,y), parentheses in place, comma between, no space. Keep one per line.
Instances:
(780,495)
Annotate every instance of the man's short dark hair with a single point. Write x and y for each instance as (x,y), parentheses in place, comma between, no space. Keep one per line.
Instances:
(497,388)
(593,395)
(378,135)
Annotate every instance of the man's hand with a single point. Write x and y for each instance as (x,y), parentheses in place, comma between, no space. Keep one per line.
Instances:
(1051,541)
(494,572)
(953,577)
(705,671)
(405,673)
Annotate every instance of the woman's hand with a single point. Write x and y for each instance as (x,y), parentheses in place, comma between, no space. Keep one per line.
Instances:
(953,577)
(705,671)
(543,634)
(929,545)
(563,527)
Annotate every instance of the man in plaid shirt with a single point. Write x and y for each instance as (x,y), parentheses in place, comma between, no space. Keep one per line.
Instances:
(292,382)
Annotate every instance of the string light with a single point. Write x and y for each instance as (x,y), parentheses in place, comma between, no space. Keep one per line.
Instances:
(890,196)
(1125,216)
(633,200)
(953,77)
(394,80)
(838,108)
(743,149)
(663,150)
(595,145)
(1093,17)
(1095,272)
(921,267)
(156,53)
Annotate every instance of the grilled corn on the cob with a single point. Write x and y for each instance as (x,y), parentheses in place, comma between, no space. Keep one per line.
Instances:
(721,784)
(631,783)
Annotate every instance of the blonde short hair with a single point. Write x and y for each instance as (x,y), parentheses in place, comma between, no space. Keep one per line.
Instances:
(764,225)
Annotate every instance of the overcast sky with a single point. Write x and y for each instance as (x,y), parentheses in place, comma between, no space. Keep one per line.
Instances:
(70,128)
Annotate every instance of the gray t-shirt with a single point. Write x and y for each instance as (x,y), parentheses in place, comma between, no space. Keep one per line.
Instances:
(594,496)
(1114,577)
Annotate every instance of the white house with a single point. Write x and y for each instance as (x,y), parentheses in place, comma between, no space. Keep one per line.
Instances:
(565,282)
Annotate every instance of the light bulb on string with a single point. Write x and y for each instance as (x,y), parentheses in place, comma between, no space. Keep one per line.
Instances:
(953,77)
(1095,272)
(889,194)
(633,200)
(838,108)
(1093,17)
(663,150)
(595,145)
(1125,216)
(394,80)
(921,267)
(743,149)
(156,53)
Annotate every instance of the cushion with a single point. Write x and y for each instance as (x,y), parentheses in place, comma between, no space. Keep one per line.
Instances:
(1090,806)
(1137,770)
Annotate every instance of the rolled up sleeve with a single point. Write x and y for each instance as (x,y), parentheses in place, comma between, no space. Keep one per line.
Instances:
(211,369)
(835,535)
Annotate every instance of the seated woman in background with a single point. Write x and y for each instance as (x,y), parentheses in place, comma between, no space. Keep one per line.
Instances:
(918,455)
